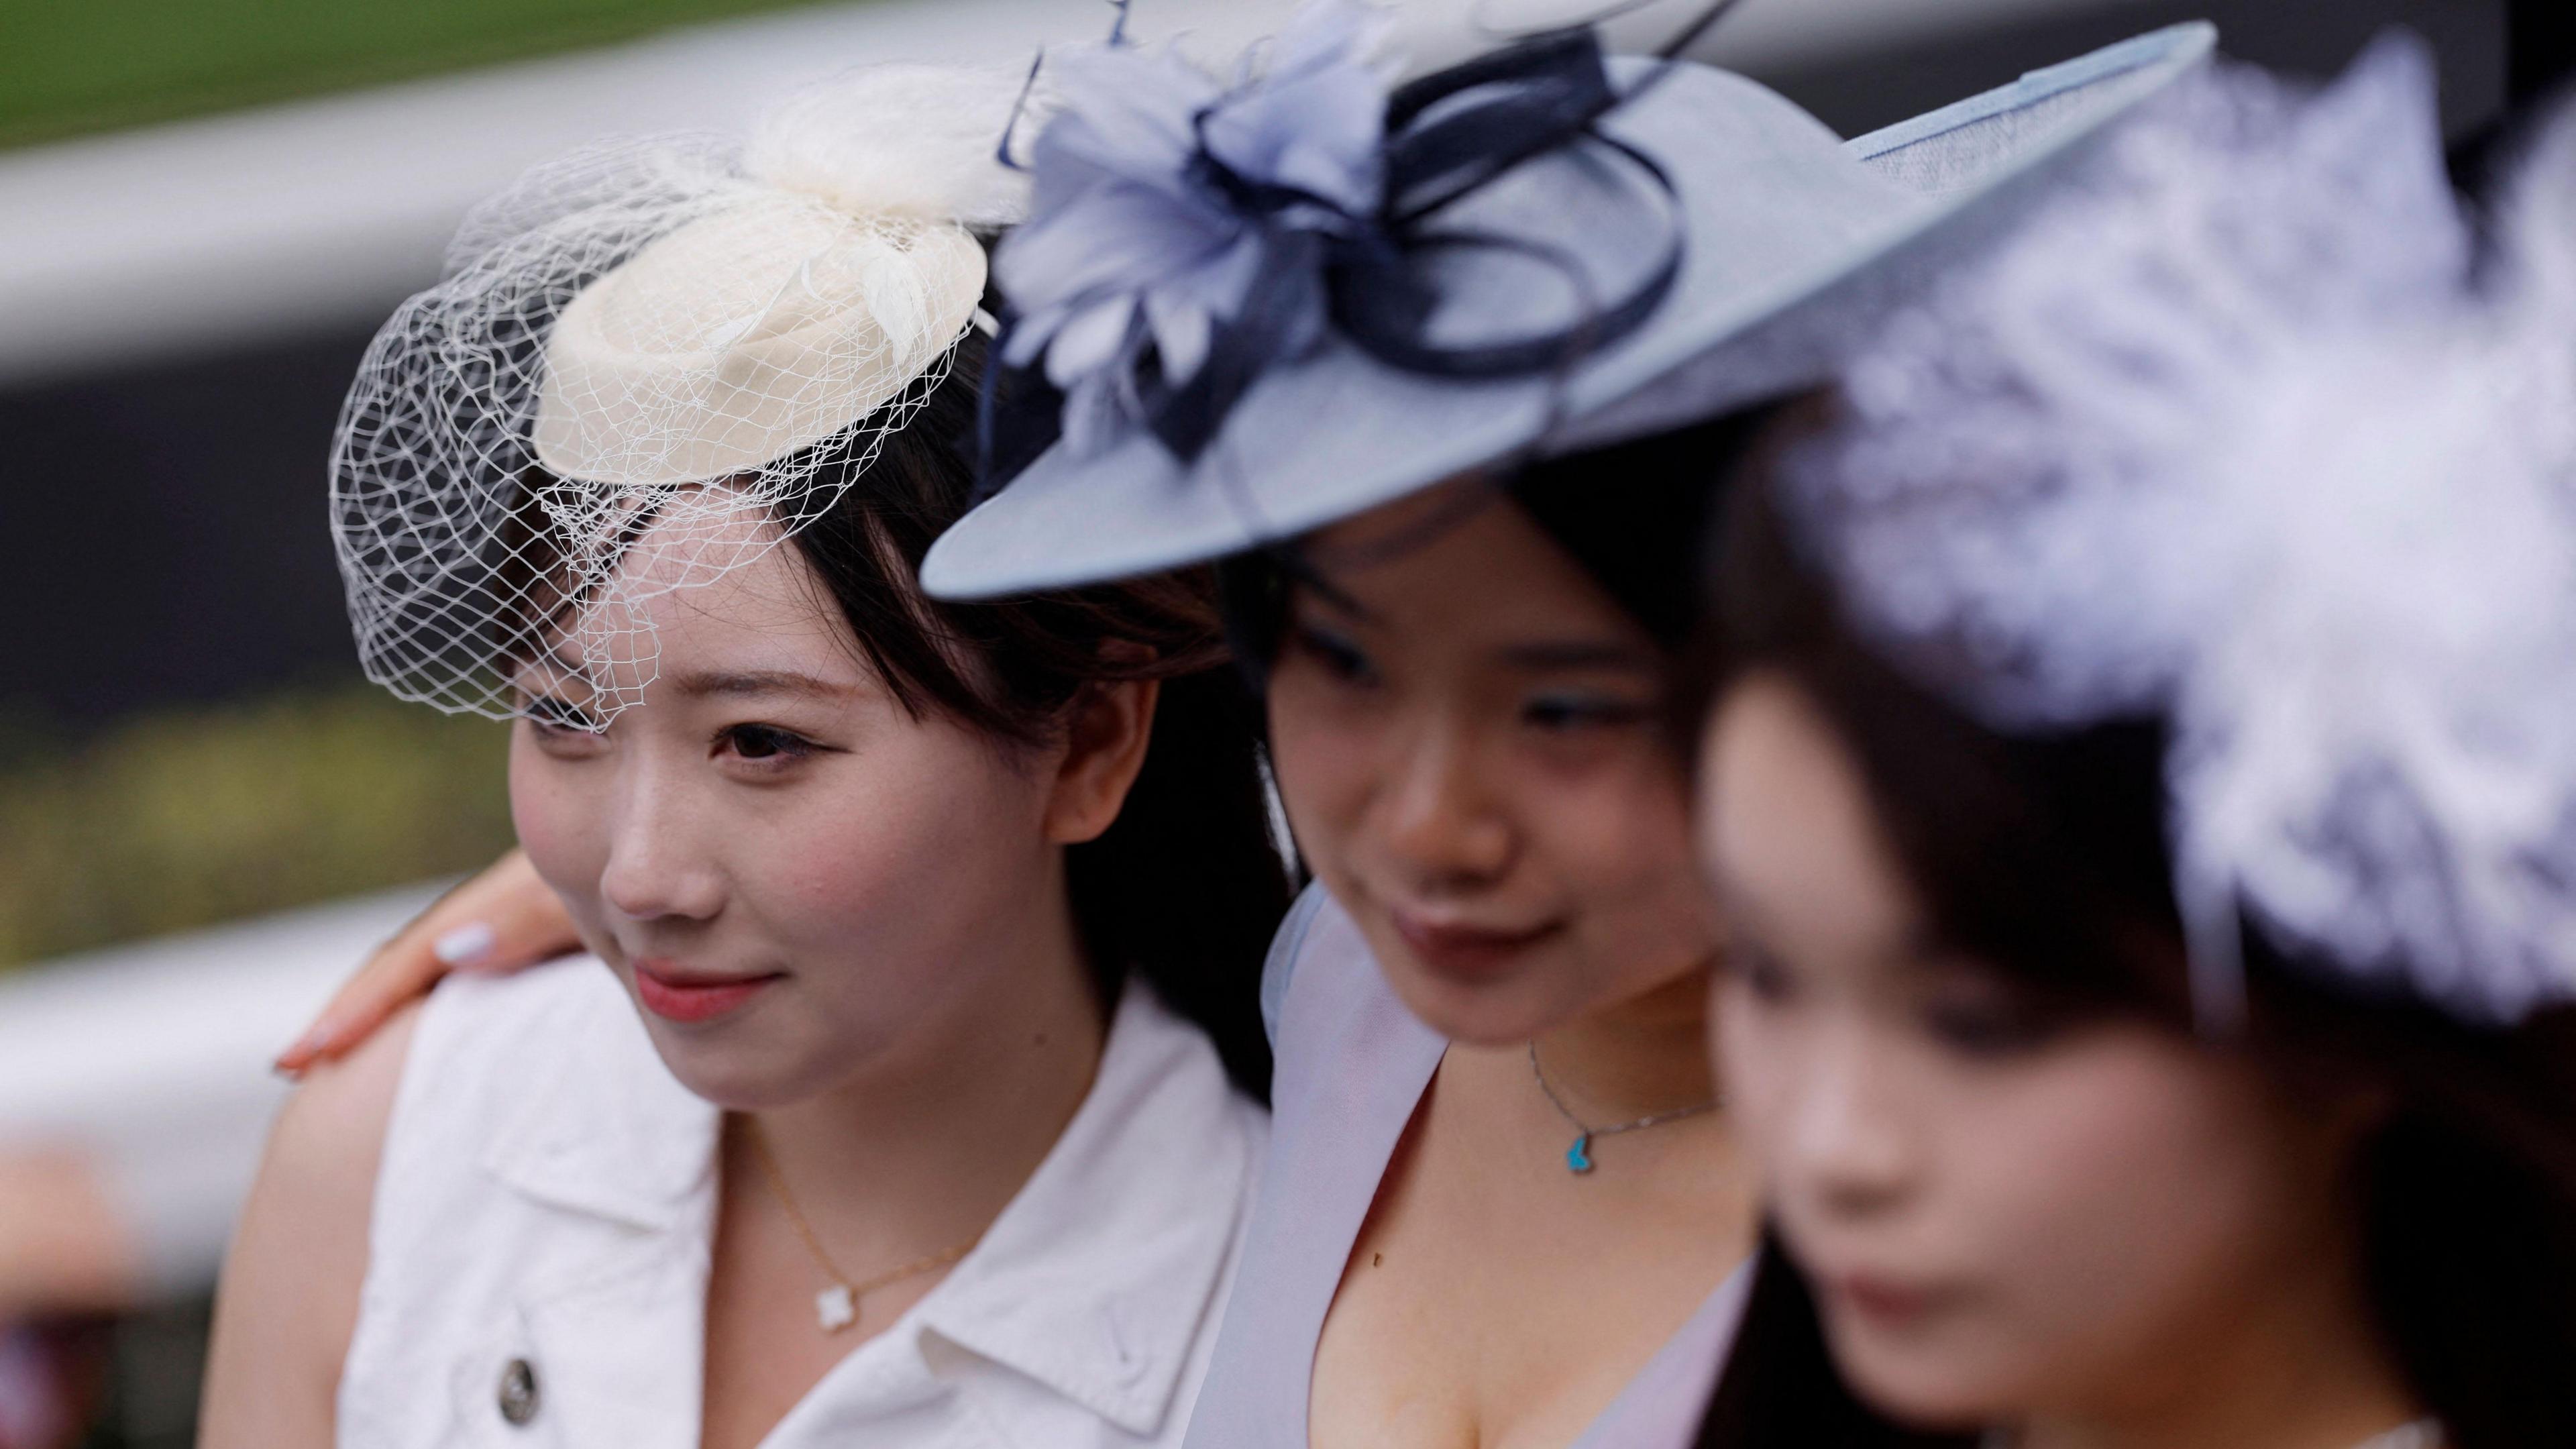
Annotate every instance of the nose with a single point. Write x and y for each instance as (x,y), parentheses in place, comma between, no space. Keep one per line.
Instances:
(1441,823)
(1850,1147)
(656,869)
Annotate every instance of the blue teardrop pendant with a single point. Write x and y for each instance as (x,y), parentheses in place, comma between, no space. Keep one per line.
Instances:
(1578,1158)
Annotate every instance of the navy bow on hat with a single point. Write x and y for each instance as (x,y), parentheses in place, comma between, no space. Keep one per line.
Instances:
(1186,234)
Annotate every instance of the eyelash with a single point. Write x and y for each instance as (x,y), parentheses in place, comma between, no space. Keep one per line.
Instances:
(1338,657)
(1561,713)
(1344,662)
(760,746)
(1760,972)
(1989,1030)
(556,719)
(780,747)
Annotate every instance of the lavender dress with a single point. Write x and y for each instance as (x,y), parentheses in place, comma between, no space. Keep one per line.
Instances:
(1353,1064)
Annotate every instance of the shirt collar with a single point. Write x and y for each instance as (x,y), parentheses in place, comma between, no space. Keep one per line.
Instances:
(602,1127)
(1099,1277)
(1096,1281)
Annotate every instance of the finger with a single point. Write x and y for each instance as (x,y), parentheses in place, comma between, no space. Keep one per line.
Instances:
(501,920)
(467,947)
(523,922)
(402,969)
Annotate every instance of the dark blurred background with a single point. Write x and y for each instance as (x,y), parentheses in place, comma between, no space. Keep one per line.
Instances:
(192,480)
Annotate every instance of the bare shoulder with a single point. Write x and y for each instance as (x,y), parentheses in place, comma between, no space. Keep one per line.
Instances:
(288,1304)
(331,1134)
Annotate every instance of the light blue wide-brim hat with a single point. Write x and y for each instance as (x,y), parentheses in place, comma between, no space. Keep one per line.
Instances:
(1792,240)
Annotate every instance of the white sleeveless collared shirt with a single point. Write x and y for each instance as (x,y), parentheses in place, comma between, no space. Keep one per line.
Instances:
(545,1209)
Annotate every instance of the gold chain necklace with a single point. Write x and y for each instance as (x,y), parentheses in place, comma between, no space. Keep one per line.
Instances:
(837,1306)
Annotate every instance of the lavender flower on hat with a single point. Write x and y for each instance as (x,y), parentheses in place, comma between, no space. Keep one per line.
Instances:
(1171,207)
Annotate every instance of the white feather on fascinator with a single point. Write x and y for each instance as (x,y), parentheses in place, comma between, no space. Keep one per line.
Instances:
(2245,433)
(645,366)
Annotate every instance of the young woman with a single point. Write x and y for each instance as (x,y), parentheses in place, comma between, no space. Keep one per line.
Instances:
(2139,783)
(1487,1216)
(912,1094)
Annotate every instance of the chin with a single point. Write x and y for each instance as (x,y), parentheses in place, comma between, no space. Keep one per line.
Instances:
(736,1071)
(1922,1384)
(1502,1011)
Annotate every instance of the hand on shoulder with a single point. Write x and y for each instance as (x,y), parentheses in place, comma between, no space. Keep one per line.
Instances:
(500,921)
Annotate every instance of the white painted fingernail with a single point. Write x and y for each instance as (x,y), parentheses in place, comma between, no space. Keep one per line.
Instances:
(465,945)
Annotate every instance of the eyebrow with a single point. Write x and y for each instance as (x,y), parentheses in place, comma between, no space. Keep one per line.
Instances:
(1578,654)
(739,683)
(1538,654)
(719,684)
(563,670)
(1323,592)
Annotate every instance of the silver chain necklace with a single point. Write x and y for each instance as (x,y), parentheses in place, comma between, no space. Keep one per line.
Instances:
(1578,1158)
(2422,1434)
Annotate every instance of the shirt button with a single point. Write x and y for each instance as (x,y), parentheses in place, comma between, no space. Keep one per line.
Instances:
(518,1392)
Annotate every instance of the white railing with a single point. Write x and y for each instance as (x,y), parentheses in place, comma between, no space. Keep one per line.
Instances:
(322,214)
(151,1062)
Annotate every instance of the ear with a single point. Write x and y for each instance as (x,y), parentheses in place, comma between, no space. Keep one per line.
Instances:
(1104,750)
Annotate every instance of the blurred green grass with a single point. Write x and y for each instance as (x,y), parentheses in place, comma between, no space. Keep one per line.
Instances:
(74,66)
(192,817)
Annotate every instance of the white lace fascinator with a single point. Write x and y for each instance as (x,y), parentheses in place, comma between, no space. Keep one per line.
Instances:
(644,366)
(2246,433)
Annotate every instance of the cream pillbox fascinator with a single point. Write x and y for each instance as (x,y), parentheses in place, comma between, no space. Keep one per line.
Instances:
(1248,307)
(645,365)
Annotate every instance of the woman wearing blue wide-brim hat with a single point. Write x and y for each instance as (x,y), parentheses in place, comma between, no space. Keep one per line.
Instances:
(1443,377)
(1439,375)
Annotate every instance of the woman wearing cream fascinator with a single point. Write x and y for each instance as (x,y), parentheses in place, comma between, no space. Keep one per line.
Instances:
(912,1094)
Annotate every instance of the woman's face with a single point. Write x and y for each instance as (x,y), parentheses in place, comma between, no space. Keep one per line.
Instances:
(794,877)
(1465,742)
(2001,1215)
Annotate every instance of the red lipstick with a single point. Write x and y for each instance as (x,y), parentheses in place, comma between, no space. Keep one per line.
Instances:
(1883,1303)
(688,997)
(1463,952)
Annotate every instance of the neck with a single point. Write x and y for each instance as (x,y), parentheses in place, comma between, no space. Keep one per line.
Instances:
(1630,1058)
(927,1144)
(2293,1367)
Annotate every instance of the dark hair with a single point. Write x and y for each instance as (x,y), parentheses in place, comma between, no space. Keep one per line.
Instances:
(2046,858)
(1186,886)
(1630,514)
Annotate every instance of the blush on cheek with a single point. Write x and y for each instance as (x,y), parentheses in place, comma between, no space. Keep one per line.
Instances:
(556,825)
(1321,787)
(826,874)
(2117,1204)
(1737,1055)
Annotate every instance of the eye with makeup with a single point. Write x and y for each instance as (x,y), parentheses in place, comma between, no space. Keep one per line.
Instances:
(559,726)
(1574,711)
(1334,653)
(765,749)
(1973,1013)
(1764,976)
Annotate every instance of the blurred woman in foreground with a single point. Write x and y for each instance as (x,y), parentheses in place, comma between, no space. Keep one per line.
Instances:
(2141,777)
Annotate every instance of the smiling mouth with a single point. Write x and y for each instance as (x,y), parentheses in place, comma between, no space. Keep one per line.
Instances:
(1463,952)
(690,997)
(1884,1303)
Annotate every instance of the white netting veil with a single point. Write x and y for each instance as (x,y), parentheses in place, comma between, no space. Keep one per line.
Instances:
(647,364)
